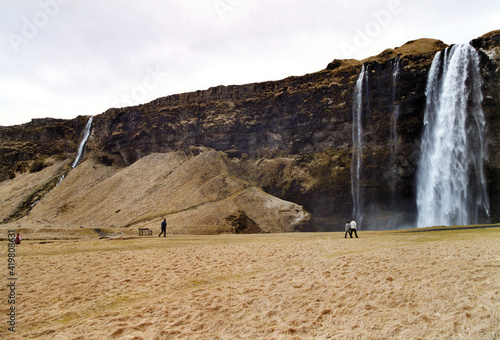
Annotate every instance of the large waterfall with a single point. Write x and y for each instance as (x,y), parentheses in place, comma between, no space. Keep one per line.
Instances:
(451,183)
(357,141)
(81,148)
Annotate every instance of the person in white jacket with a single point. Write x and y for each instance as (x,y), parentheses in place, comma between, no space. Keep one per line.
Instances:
(354,227)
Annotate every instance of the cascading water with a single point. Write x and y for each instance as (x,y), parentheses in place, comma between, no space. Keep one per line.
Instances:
(81,148)
(394,134)
(451,182)
(357,141)
(79,156)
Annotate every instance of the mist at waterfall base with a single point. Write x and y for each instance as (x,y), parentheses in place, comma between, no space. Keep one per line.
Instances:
(450,178)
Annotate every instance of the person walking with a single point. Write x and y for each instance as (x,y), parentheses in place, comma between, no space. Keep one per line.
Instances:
(354,227)
(348,229)
(163,228)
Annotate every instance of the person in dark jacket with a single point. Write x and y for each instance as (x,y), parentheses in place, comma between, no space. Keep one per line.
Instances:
(163,228)
(348,229)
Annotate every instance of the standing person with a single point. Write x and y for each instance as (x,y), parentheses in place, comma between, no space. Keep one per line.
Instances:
(354,227)
(18,239)
(348,229)
(163,228)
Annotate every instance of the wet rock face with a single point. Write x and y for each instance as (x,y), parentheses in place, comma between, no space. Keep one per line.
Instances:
(272,119)
(489,47)
(293,137)
(308,119)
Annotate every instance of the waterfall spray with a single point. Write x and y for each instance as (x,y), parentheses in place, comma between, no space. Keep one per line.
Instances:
(357,141)
(81,148)
(451,182)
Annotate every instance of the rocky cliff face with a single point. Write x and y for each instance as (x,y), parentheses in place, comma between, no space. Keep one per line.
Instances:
(293,138)
(489,45)
(33,146)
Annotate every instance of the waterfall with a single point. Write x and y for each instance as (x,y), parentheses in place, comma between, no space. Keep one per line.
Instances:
(77,161)
(394,133)
(451,182)
(81,148)
(357,141)
(60,180)
(395,106)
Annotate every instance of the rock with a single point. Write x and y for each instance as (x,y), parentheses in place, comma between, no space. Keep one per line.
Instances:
(291,139)
(27,146)
(240,223)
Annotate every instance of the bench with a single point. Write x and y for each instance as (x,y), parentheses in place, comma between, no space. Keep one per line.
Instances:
(145,231)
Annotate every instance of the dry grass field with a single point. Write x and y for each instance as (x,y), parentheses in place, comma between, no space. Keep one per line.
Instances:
(383,285)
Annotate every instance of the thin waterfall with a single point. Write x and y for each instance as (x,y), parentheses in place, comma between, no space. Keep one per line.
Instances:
(81,148)
(79,156)
(451,181)
(357,141)
(394,133)
(60,180)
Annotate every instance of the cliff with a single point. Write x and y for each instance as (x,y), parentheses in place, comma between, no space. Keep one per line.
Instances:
(291,139)
(29,147)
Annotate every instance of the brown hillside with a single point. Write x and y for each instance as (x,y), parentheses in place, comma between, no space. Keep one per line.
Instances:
(195,193)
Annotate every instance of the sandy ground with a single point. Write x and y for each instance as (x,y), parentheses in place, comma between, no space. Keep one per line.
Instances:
(425,285)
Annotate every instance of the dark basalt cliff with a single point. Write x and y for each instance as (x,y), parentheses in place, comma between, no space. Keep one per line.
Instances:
(293,137)
(33,146)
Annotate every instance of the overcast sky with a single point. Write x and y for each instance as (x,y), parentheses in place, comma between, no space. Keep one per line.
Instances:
(64,58)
